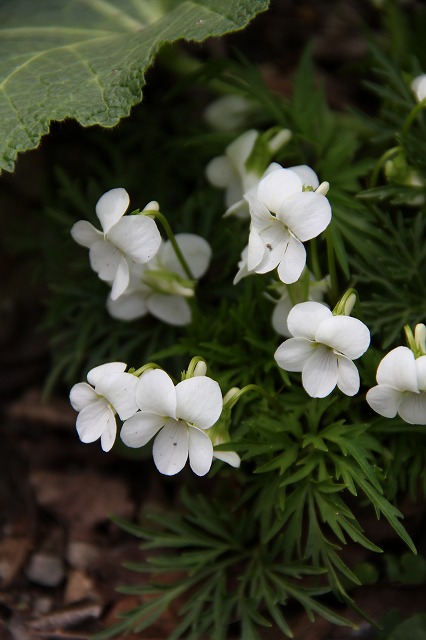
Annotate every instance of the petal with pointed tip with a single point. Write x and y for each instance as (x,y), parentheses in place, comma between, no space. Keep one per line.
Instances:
(199,401)
(111,207)
(121,278)
(255,250)
(230,457)
(170,450)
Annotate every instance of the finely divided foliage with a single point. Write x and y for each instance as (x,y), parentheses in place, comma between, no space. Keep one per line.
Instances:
(307,436)
(86,59)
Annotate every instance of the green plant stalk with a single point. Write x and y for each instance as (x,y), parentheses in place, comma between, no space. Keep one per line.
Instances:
(167,228)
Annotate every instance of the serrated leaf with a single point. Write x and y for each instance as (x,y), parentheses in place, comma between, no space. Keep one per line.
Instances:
(86,59)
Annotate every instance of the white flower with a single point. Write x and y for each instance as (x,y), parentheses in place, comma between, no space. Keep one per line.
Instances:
(122,242)
(230,172)
(177,416)
(401,387)
(283,216)
(112,391)
(285,303)
(228,113)
(323,348)
(159,287)
(418,86)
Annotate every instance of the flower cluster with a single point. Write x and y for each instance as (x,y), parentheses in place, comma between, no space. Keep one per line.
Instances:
(152,406)
(145,274)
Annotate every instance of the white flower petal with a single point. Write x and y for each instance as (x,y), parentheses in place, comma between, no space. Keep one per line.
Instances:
(128,306)
(196,250)
(292,354)
(276,241)
(93,420)
(200,451)
(259,213)
(347,376)
(293,261)
(97,373)
(398,370)
(171,309)
(347,335)
(384,400)
(156,393)
(242,265)
(140,428)
(220,172)
(307,175)
(255,251)
(108,435)
(276,187)
(421,372)
(85,233)
(280,315)
(307,214)
(305,318)
(412,407)
(230,457)
(120,391)
(418,87)
(121,278)
(111,207)
(240,149)
(199,401)
(136,236)
(170,450)
(104,259)
(319,374)
(81,395)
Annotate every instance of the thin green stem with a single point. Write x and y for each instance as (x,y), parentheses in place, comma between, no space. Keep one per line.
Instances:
(413,115)
(334,283)
(315,260)
(390,153)
(171,236)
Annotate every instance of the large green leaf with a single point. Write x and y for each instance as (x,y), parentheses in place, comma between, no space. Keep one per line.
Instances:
(86,59)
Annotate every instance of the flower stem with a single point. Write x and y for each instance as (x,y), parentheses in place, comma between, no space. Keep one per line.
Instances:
(380,162)
(167,228)
(412,116)
(334,284)
(315,261)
